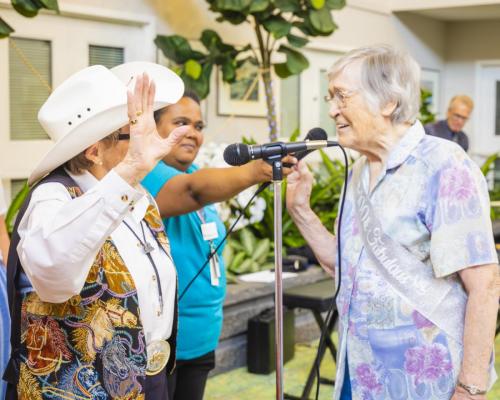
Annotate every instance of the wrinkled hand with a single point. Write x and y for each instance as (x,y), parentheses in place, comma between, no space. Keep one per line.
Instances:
(462,394)
(146,146)
(299,187)
(263,172)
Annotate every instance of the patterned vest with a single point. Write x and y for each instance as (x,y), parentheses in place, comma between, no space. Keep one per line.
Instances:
(90,347)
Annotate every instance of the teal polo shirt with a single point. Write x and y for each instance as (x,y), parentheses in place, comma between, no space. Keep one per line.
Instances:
(200,310)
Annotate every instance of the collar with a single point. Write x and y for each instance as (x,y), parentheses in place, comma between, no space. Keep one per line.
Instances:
(406,145)
(446,127)
(87,181)
(192,168)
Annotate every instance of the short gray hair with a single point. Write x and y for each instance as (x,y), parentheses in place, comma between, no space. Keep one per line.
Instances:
(387,75)
(80,163)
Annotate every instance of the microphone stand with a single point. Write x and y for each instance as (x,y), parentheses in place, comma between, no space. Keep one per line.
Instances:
(277,165)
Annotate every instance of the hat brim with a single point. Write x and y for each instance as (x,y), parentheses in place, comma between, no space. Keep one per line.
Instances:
(170,89)
(84,136)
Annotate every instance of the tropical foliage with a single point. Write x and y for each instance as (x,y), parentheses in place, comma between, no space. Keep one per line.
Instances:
(426,115)
(282,26)
(14,207)
(27,8)
(245,253)
(241,255)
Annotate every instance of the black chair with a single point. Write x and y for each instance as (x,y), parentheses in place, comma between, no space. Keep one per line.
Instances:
(318,298)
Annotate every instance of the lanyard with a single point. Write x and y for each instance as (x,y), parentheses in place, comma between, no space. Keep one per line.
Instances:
(202,216)
(210,232)
(148,248)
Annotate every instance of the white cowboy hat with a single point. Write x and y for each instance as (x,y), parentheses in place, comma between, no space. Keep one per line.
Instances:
(91,104)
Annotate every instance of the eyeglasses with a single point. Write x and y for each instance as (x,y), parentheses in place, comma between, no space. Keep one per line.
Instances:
(339,96)
(459,117)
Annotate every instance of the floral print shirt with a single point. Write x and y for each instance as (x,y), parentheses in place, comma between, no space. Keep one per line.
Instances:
(433,200)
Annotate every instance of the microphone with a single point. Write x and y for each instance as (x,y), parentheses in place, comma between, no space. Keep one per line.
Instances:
(313,134)
(240,154)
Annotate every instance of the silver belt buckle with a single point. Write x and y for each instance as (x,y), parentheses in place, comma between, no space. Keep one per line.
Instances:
(158,356)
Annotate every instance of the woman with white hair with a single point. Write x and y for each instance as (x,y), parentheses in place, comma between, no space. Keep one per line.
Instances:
(417,302)
(92,286)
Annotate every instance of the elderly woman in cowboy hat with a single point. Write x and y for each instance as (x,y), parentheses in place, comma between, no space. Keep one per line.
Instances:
(417,302)
(92,285)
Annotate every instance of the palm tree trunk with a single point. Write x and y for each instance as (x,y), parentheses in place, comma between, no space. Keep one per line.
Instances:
(268,84)
(271,106)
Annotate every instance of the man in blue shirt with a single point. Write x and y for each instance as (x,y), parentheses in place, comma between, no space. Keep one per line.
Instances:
(450,128)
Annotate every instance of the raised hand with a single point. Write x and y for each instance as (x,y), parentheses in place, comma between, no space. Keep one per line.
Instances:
(146,146)
(298,188)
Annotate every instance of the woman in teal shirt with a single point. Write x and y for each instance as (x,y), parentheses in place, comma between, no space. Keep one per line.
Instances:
(183,193)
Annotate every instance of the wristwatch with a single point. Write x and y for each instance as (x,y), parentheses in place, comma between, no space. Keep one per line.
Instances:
(471,389)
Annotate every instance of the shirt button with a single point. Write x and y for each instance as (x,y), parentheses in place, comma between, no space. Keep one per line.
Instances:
(158,313)
(124,197)
(154,278)
(132,208)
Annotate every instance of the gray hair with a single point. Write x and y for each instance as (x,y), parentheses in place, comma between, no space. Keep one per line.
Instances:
(80,163)
(387,75)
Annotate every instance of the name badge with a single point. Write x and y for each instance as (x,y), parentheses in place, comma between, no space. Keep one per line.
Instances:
(214,270)
(209,231)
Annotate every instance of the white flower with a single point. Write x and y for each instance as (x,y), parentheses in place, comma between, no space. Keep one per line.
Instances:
(211,155)
(256,209)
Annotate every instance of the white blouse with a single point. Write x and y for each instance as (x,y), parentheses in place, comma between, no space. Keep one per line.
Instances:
(60,238)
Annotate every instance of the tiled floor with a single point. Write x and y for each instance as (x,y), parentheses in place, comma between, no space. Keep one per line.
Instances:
(241,385)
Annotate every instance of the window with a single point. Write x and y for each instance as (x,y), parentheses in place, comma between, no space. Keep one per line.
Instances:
(29,86)
(108,56)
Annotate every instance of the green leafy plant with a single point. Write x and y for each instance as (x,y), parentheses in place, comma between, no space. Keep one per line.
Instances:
(14,207)
(486,168)
(325,196)
(27,8)
(282,26)
(245,253)
(426,115)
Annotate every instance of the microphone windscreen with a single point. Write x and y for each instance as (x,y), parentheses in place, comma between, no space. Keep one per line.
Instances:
(313,134)
(236,154)
(317,134)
